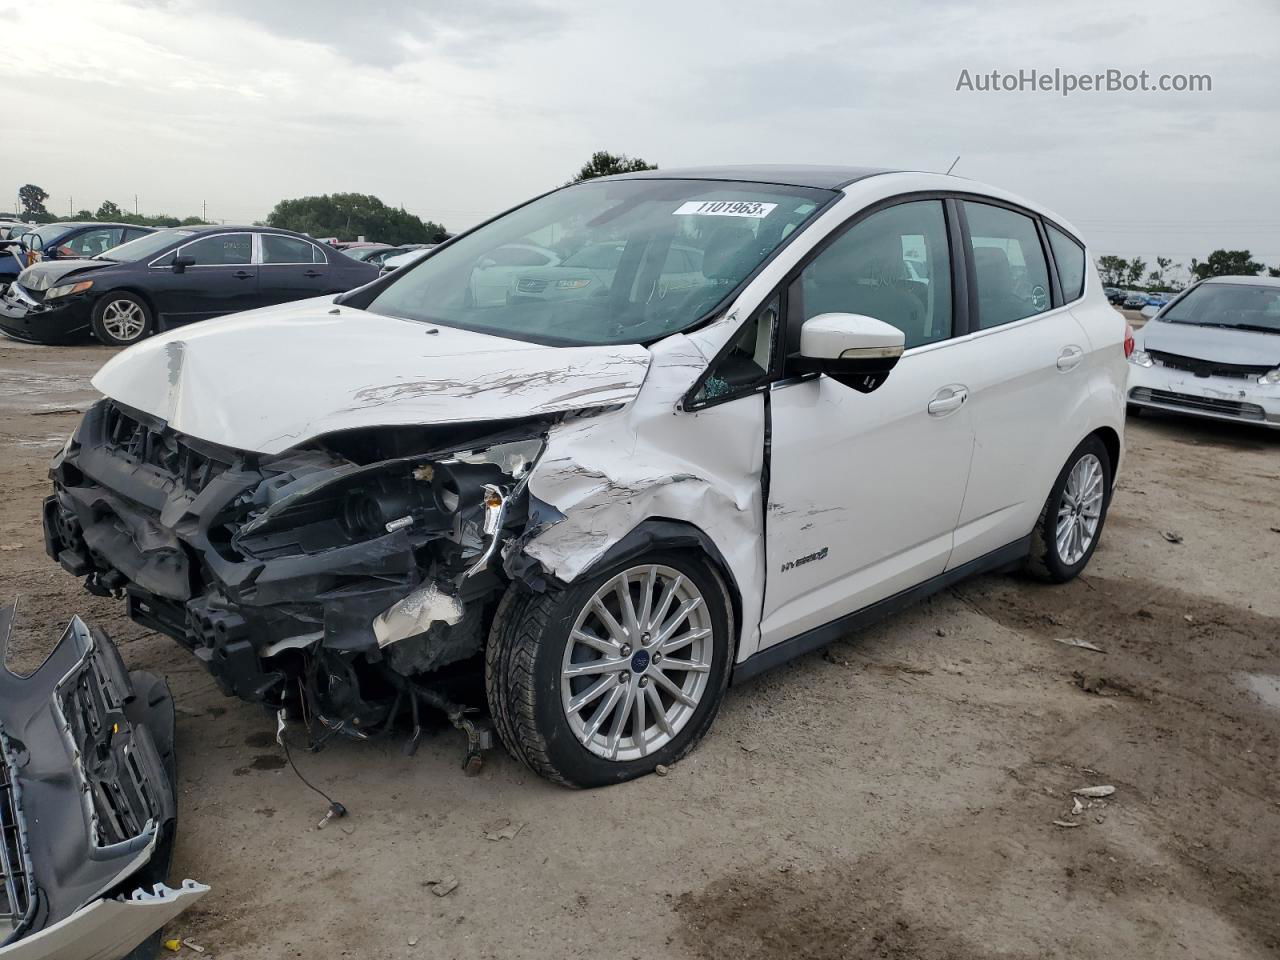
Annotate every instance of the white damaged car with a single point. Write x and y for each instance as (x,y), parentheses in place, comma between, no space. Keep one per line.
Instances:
(868,385)
(1213,352)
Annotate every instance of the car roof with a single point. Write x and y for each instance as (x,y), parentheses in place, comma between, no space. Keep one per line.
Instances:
(786,174)
(76,224)
(1254,281)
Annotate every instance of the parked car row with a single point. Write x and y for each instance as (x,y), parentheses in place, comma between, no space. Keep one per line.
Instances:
(1134,299)
(78,281)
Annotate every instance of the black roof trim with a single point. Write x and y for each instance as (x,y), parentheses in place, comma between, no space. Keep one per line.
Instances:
(786,174)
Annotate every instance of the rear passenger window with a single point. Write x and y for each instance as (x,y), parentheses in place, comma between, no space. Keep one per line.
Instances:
(280,249)
(1013,277)
(1069,256)
(895,266)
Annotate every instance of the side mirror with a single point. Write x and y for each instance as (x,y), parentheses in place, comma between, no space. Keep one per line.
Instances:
(180,264)
(850,348)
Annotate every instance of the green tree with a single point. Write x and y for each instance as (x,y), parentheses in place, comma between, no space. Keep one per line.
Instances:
(605,164)
(350,215)
(1226,263)
(83,215)
(1113,270)
(1134,271)
(1273,271)
(109,211)
(32,199)
(1157,276)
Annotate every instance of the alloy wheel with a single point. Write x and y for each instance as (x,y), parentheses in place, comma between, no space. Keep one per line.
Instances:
(637,663)
(1080,509)
(124,319)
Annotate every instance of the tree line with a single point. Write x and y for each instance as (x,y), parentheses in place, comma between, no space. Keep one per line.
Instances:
(1119,272)
(350,215)
(342,215)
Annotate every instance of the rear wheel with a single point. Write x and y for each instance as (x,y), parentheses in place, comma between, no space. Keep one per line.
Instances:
(606,679)
(1071,521)
(121,318)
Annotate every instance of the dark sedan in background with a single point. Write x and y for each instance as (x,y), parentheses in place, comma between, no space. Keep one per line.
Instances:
(172,277)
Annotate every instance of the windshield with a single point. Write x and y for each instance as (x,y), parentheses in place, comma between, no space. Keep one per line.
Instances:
(144,247)
(1244,305)
(36,239)
(667,252)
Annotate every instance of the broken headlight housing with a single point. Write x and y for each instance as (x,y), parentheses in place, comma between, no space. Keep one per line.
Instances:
(1141,358)
(1270,378)
(414,497)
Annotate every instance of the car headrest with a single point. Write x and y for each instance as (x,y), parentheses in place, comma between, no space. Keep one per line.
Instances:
(727,253)
(994,273)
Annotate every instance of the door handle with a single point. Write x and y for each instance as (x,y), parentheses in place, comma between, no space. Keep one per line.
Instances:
(312,273)
(1070,358)
(244,275)
(947,400)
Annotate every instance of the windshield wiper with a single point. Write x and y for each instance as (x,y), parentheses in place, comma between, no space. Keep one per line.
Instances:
(1257,327)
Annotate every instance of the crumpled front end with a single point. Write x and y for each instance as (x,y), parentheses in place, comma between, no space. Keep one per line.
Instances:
(86,803)
(319,580)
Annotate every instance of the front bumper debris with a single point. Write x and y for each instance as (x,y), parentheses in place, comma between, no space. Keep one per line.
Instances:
(87,805)
(22,317)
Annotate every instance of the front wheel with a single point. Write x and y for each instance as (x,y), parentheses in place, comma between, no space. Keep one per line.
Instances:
(1070,524)
(121,319)
(604,680)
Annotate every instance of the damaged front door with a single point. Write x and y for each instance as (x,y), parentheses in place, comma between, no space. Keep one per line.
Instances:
(865,489)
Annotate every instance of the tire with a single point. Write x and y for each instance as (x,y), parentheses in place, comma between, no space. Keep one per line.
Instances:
(1050,558)
(121,318)
(530,648)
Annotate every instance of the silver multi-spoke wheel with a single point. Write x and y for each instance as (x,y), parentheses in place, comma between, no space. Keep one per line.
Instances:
(637,663)
(124,319)
(1080,510)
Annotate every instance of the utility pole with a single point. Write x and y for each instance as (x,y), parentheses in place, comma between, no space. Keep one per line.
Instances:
(71,206)
(204,210)
(135,204)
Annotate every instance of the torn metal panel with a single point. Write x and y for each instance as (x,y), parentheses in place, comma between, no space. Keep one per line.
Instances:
(607,475)
(86,797)
(348,369)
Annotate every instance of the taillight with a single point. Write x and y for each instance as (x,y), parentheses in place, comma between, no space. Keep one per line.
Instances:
(1129,342)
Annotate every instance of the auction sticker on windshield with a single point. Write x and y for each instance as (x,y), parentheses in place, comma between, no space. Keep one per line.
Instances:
(725,208)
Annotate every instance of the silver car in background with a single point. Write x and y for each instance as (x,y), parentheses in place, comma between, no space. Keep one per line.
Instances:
(1213,352)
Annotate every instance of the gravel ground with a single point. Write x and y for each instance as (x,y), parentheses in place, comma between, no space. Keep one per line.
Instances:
(893,796)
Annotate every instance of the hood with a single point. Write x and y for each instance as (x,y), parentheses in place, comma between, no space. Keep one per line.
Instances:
(45,274)
(270,379)
(1215,344)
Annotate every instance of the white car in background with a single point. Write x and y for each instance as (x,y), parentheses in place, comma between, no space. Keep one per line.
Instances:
(612,505)
(399,260)
(1212,352)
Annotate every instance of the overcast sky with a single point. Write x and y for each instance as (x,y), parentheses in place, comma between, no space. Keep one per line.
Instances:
(461,109)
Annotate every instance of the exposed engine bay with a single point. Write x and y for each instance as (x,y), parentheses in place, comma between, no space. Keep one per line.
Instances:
(337,581)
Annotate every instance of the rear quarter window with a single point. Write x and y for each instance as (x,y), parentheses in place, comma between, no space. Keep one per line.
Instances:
(1069,256)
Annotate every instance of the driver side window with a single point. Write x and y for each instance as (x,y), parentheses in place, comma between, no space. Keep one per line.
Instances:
(894,265)
(1013,277)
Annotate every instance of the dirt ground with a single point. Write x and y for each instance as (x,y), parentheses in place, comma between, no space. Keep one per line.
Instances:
(893,796)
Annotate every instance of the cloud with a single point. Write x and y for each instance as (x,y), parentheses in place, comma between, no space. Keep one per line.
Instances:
(389,34)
